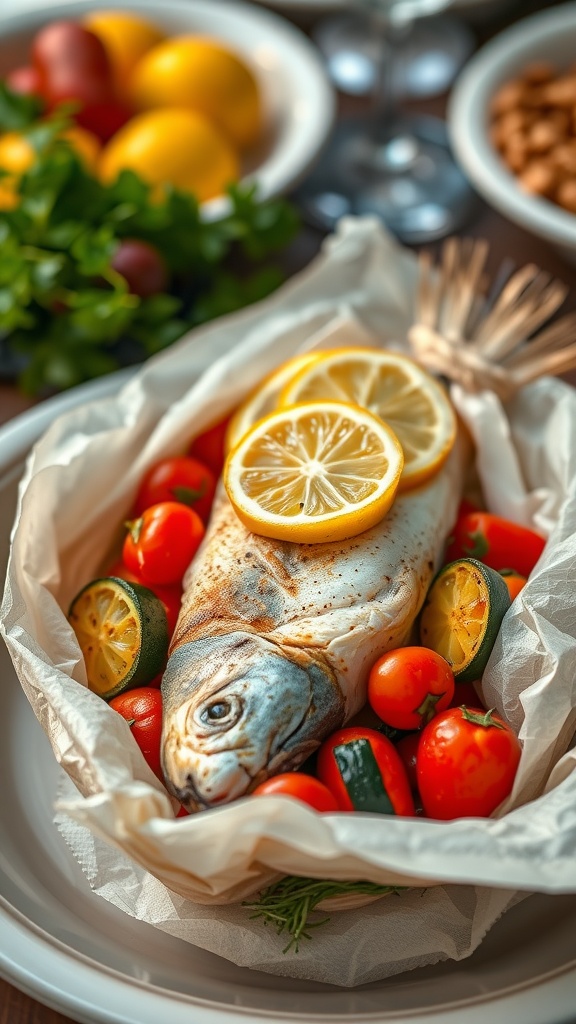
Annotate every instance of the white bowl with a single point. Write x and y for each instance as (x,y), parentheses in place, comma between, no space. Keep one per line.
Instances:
(298,98)
(550,36)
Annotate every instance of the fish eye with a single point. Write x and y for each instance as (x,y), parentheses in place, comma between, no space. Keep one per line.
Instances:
(219,713)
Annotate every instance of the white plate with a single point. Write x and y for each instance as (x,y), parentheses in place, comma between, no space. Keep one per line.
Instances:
(326,5)
(298,98)
(69,948)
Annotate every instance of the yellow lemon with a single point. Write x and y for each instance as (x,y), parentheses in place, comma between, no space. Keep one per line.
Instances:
(264,399)
(126,38)
(172,146)
(206,76)
(16,155)
(316,472)
(393,387)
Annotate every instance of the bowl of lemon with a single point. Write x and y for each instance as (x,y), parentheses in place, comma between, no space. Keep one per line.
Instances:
(188,93)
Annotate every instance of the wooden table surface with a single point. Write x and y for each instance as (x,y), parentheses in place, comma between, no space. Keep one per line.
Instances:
(506,241)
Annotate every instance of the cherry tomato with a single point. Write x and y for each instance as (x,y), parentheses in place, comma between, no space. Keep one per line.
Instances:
(142,708)
(408,686)
(142,266)
(181,479)
(407,747)
(171,597)
(496,542)
(24,80)
(364,772)
(72,64)
(162,542)
(209,446)
(183,813)
(466,763)
(514,581)
(301,787)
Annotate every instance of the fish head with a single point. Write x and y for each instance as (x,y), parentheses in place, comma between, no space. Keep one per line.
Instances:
(236,710)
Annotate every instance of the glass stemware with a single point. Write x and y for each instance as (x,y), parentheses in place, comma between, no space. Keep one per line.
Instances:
(388,163)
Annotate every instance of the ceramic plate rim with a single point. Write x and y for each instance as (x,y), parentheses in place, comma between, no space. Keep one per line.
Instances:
(467,108)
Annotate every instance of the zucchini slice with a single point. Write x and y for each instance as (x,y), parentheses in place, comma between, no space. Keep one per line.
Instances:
(122,630)
(361,775)
(462,614)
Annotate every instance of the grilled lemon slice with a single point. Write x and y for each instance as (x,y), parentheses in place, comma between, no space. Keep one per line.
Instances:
(123,634)
(462,614)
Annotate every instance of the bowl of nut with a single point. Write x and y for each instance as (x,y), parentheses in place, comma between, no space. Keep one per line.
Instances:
(512,120)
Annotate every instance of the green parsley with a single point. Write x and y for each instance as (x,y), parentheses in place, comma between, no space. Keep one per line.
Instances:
(65,314)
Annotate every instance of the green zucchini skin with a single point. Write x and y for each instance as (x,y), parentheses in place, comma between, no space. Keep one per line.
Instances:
(362,777)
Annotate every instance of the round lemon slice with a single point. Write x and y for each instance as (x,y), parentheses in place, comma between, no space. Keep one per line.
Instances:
(391,386)
(264,398)
(316,472)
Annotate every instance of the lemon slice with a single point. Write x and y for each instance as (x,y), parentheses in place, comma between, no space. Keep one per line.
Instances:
(316,472)
(392,387)
(264,398)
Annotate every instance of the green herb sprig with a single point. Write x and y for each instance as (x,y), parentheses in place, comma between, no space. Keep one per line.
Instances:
(65,314)
(289,903)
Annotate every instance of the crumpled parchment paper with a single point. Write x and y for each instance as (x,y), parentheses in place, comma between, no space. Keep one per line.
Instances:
(78,487)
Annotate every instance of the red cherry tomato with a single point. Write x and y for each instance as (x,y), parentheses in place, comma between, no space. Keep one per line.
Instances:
(24,80)
(142,708)
(72,64)
(408,686)
(181,479)
(171,597)
(301,787)
(142,266)
(209,446)
(364,772)
(407,747)
(466,763)
(183,813)
(161,544)
(514,581)
(496,542)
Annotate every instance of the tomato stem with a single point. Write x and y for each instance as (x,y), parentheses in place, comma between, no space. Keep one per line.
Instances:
(486,720)
(427,709)
(134,527)
(477,545)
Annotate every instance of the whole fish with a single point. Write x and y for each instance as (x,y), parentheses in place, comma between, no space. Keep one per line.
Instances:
(275,640)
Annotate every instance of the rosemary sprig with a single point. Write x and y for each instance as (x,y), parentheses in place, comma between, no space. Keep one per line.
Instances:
(288,903)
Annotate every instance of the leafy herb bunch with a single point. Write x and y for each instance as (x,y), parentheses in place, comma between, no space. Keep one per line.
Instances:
(65,313)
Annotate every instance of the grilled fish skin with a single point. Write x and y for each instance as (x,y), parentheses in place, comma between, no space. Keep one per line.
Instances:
(275,640)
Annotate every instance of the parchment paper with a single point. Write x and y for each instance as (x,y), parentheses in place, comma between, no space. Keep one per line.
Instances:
(78,487)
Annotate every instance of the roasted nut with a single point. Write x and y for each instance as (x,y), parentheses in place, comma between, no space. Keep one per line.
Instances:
(533,127)
(561,92)
(510,96)
(539,177)
(543,135)
(515,152)
(566,194)
(564,156)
